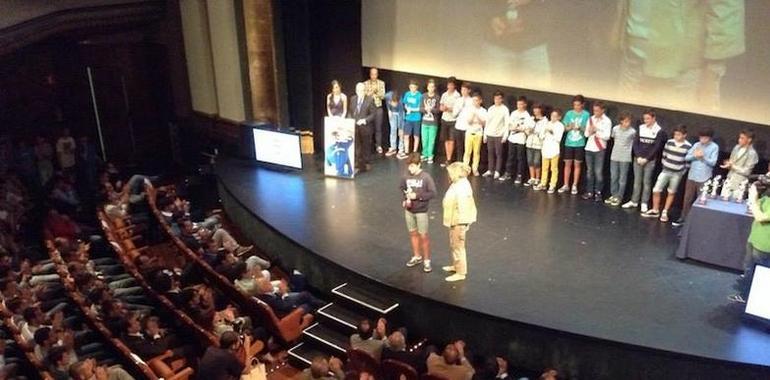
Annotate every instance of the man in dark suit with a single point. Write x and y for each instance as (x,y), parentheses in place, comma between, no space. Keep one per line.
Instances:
(361,109)
(284,302)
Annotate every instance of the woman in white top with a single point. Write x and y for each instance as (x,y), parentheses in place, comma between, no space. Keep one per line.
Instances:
(336,101)
(551,135)
(459,214)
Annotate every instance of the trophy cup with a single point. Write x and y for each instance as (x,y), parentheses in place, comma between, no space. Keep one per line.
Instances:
(715,186)
(704,192)
(740,194)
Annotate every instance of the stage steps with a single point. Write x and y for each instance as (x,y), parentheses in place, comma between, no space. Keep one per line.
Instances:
(327,335)
(344,317)
(337,321)
(367,298)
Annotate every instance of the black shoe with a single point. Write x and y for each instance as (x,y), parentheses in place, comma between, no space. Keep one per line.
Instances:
(678,222)
(598,197)
(588,195)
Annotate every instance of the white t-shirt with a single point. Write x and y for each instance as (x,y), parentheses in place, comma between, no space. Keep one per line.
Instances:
(497,121)
(460,109)
(519,122)
(603,131)
(534,141)
(551,134)
(475,119)
(449,100)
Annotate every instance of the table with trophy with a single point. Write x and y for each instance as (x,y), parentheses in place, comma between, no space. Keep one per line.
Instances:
(718,225)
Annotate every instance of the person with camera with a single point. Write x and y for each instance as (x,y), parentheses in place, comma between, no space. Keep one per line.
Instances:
(223,362)
(758,245)
(418,188)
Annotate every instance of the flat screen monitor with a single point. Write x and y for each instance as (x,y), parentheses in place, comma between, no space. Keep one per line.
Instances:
(277,148)
(758,302)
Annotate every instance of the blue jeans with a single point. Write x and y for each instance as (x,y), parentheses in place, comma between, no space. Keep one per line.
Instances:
(396,126)
(753,257)
(618,178)
(643,181)
(595,171)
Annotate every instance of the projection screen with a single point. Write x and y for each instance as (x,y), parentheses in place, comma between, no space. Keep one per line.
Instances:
(708,57)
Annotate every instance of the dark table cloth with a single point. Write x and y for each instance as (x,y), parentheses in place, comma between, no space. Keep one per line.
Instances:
(716,233)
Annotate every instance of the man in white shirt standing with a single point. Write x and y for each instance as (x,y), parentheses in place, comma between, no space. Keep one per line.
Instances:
(494,133)
(519,122)
(460,109)
(597,134)
(448,118)
(475,118)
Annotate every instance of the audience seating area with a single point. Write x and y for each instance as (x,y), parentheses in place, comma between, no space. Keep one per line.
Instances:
(132,281)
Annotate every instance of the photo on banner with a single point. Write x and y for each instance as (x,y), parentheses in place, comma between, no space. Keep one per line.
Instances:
(339,147)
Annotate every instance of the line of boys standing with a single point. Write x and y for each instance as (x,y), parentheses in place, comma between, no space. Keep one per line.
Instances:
(536,143)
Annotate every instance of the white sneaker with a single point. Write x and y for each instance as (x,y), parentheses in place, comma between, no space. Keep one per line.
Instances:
(630,204)
(551,190)
(497,175)
(455,277)
(651,214)
(644,208)
(563,189)
(574,190)
(448,268)
(487,173)
(414,261)
(426,266)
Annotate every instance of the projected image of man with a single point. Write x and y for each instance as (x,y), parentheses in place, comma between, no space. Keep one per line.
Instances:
(676,52)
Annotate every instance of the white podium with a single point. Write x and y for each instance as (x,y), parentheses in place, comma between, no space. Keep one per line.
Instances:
(339,147)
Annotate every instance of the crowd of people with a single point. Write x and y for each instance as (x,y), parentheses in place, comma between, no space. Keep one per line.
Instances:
(544,147)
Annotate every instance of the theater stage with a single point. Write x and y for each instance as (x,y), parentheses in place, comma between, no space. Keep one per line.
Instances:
(552,262)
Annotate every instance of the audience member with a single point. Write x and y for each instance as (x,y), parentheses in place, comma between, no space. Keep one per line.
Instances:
(452,363)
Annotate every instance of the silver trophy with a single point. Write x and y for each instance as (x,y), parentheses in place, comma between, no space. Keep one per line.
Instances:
(704,192)
(715,186)
(740,193)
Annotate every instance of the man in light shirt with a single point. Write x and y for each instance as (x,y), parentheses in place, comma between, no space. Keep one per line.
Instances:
(496,129)
(597,134)
(448,119)
(475,118)
(460,109)
(519,122)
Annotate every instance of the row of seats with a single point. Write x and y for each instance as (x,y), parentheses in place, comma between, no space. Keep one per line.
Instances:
(286,329)
(154,368)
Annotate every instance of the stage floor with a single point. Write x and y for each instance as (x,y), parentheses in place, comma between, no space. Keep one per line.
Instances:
(554,261)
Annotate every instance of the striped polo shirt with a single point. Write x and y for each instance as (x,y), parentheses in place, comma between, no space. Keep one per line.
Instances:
(674,155)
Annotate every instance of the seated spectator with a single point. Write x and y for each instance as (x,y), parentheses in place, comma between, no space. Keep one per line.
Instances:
(322,369)
(246,279)
(199,309)
(142,345)
(44,340)
(8,366)
(368,339)
(284,302)
(396,350)
(58,362)
(452,363)
(88,369)
(221,362)
(60,225)
(63,195)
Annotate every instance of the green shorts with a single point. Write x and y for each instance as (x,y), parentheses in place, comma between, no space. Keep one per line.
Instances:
(416,222)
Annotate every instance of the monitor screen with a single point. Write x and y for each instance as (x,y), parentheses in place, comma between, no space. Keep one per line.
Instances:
(758,303)
(277,148)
